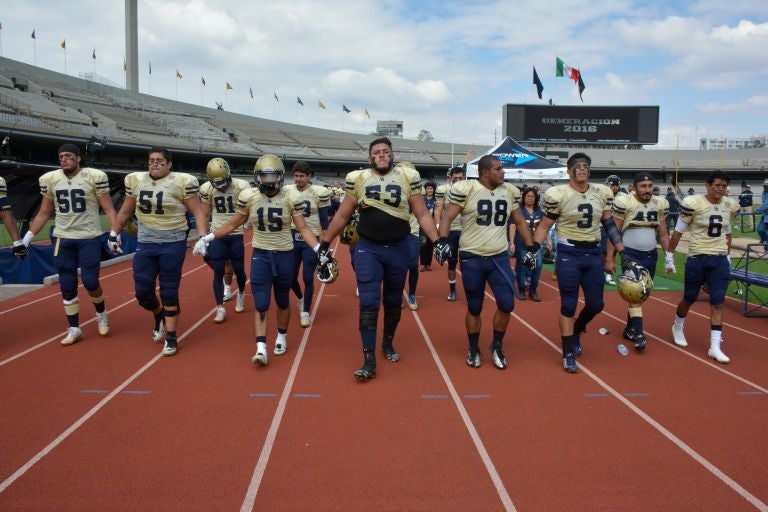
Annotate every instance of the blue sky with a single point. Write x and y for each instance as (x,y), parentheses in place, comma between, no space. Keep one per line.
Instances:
(447,67)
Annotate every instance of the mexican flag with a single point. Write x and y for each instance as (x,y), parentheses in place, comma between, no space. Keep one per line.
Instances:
(561,69)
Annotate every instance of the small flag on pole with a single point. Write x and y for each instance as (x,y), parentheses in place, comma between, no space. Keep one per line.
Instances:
(298,100)
(537,82)
(150,67)
(367,114)
(274,93)
(125,65)
(321,105)
(64,44)
(94,54)
(202,80)
(345,109)
(178,75)
(33,34)
(250,89)
(229,87)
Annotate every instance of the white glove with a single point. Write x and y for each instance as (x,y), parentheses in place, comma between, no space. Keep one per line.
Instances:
(201,246)
(728,256)
(28,236)
(669,262)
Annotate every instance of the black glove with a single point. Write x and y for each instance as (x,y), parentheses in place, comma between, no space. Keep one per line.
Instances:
(442,250)
(324,254)
(630,265)
(531,255)
(20,250)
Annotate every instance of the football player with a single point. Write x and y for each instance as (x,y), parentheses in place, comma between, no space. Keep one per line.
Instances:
(219,197)
(708,219)
(455,175)
(270,208)
(317,203)
(159,198)
(75,194)
(385,193)
(580,209)
(641,218)
(486,205)
(613,182)
(6,215)
(414,249)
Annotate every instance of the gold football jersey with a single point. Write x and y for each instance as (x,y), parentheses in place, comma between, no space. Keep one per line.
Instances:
(578,213)
(75,201)
(4,204)
(160,203)
(640,220)
(485,215)
(223,204)
(441,194)
(389,193)
(314,197)
(707,223)
(270,217)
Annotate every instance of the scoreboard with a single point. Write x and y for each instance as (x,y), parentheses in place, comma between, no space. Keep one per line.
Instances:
(581,124)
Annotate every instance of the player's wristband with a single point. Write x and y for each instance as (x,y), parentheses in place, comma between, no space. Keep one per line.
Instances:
(316,247)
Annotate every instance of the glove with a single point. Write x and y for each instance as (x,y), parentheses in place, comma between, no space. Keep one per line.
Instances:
(324,253)
(442,250)
(630,266)
(20,250)
(529,260)
(201,246)
(113,242)
(728,257)
(669,262)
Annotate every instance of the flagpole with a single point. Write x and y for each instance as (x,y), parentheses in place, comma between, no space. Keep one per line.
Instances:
(677,163)
(34,45)
(65,59)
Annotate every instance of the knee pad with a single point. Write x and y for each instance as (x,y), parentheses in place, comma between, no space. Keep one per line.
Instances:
(474,306)
(368,319)
(568,306)
(171,304)
(392,314)
(148,303)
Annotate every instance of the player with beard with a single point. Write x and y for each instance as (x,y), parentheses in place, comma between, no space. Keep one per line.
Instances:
(384,193)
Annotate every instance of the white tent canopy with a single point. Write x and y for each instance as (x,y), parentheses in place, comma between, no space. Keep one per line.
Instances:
(521,165)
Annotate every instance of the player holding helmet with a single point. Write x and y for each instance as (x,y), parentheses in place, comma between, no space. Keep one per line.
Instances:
(641,217)
(455,175)
(270,209)
(219,197)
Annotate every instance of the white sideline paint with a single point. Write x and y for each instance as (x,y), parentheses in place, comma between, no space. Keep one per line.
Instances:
(104,401)
(269,442)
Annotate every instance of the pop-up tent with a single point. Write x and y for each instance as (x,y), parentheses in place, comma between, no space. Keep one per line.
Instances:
(521,164)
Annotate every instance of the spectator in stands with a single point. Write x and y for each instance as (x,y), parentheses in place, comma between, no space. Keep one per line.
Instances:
(747,219)
(6,214)
(674,208)
(656,191)
(160,198)
(691,191)
(425,252)
(762,227)
(75,194)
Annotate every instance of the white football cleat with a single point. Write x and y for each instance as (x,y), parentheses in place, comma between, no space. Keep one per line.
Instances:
(227,292)
(101,319)
(717,354)
(679,336)
(305,319)
(280,347)
(73,336)
(240,302)
(158,332)
(300,304)
(221,314)
(260,357)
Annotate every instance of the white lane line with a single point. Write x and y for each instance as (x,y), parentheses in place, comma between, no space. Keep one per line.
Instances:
(506,500)
(60,335)
(53,295)
(269,442)
(718,473)
(103,402)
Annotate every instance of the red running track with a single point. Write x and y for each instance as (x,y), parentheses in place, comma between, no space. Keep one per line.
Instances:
(109,424)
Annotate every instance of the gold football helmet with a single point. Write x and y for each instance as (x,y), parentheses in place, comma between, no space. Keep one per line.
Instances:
(270,174)
(218,173)
(349,235)
(329,272)
(635,285)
